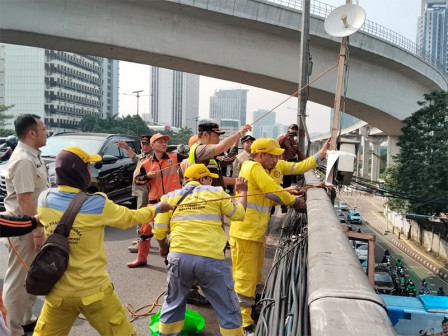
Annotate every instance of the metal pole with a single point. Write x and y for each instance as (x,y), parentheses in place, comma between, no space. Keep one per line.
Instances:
(337,97)
(138,97)
(387,214)
(304,67)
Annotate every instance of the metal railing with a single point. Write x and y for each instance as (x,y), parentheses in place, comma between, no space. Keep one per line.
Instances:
(321,9)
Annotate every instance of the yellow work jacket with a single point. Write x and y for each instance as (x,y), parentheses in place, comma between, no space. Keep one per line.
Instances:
(86,272)
(196,229)
(291,168)
(258,211)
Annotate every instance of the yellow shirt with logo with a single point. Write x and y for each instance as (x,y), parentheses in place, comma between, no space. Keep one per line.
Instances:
(291,168)
(196,229)
(258,213)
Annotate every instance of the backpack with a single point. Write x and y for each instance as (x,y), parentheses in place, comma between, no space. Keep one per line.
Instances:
(52,260)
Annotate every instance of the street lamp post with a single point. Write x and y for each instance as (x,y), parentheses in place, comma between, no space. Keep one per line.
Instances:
(137,94)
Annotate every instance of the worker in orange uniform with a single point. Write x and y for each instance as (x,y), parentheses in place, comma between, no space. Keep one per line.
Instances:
(160,172)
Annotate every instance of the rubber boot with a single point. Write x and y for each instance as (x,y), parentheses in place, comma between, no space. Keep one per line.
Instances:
(142,255)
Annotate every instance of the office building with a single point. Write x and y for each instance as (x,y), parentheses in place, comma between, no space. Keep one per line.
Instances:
(432,29)
(265,127)
(229,104)
(61,87)
(174,98)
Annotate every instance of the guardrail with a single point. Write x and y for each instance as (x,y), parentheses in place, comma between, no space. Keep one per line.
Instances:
(321,9)
(340,299)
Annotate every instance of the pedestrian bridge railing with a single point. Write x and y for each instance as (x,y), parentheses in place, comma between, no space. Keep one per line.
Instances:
(322,10)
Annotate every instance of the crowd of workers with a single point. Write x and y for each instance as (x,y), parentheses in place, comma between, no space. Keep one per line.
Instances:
(191,216)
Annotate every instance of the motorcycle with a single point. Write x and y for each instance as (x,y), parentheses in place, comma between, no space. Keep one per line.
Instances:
(424,291)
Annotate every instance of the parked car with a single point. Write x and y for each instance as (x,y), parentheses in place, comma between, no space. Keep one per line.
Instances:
(354,217)
(343,205)
(113,175)
(384,283)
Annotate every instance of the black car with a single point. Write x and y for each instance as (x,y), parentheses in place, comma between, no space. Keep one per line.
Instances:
(384,283)
(112,176)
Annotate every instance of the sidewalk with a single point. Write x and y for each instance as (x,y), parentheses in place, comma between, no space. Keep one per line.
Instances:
(411,248)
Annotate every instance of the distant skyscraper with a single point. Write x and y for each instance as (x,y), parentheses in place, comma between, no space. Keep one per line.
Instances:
(174,98)
(229,104)
(60,87)
(432,29)
(264,128)
(345,120)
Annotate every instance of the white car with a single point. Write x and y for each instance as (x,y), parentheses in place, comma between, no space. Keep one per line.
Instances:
(362,252)
(343,205)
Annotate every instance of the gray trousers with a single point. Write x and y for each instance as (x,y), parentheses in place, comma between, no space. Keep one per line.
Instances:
(215,278)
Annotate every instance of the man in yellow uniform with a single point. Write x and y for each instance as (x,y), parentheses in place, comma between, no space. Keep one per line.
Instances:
(247,237)
(85,286)
(196,250)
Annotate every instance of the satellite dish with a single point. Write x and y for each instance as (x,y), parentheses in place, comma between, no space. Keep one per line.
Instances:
(345,20)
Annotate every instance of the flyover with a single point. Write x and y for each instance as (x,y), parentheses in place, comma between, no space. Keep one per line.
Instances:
(253,42)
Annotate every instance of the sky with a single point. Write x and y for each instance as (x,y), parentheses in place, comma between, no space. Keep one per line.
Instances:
(397,15)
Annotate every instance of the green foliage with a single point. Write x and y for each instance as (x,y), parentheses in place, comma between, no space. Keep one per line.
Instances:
(5,117)
(390,177)
(6,132)
(131,125)
(180,137)
(422,168)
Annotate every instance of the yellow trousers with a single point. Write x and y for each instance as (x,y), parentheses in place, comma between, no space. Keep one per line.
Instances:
(102,310)
(247,264)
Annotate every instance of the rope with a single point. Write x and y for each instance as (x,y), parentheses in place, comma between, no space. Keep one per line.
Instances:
(18,256)
(297,92)
(134,312)
(298,189)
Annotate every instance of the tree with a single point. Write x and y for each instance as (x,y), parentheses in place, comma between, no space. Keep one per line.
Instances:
(88,122)
(180,137)
(422,163)
(3,116)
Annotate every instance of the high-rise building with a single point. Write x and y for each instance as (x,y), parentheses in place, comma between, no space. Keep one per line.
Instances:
(432,29)
(265,127)
(174,98)
(61,87)
(229,104)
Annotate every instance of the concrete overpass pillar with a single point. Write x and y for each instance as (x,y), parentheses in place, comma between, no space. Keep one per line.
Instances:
(392,149)
(375,169)
(365,157)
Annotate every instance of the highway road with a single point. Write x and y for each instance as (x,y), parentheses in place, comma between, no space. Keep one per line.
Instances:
(371,209)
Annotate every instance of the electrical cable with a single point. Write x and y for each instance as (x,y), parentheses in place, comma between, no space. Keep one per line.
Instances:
(284,307)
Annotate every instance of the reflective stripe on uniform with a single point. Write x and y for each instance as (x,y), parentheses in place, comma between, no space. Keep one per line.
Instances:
(259,208)
(170,328)
(291,171)
(162,226)
(197,216)
(233,211)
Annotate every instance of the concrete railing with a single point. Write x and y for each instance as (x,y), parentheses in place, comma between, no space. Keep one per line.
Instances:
(340,297)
